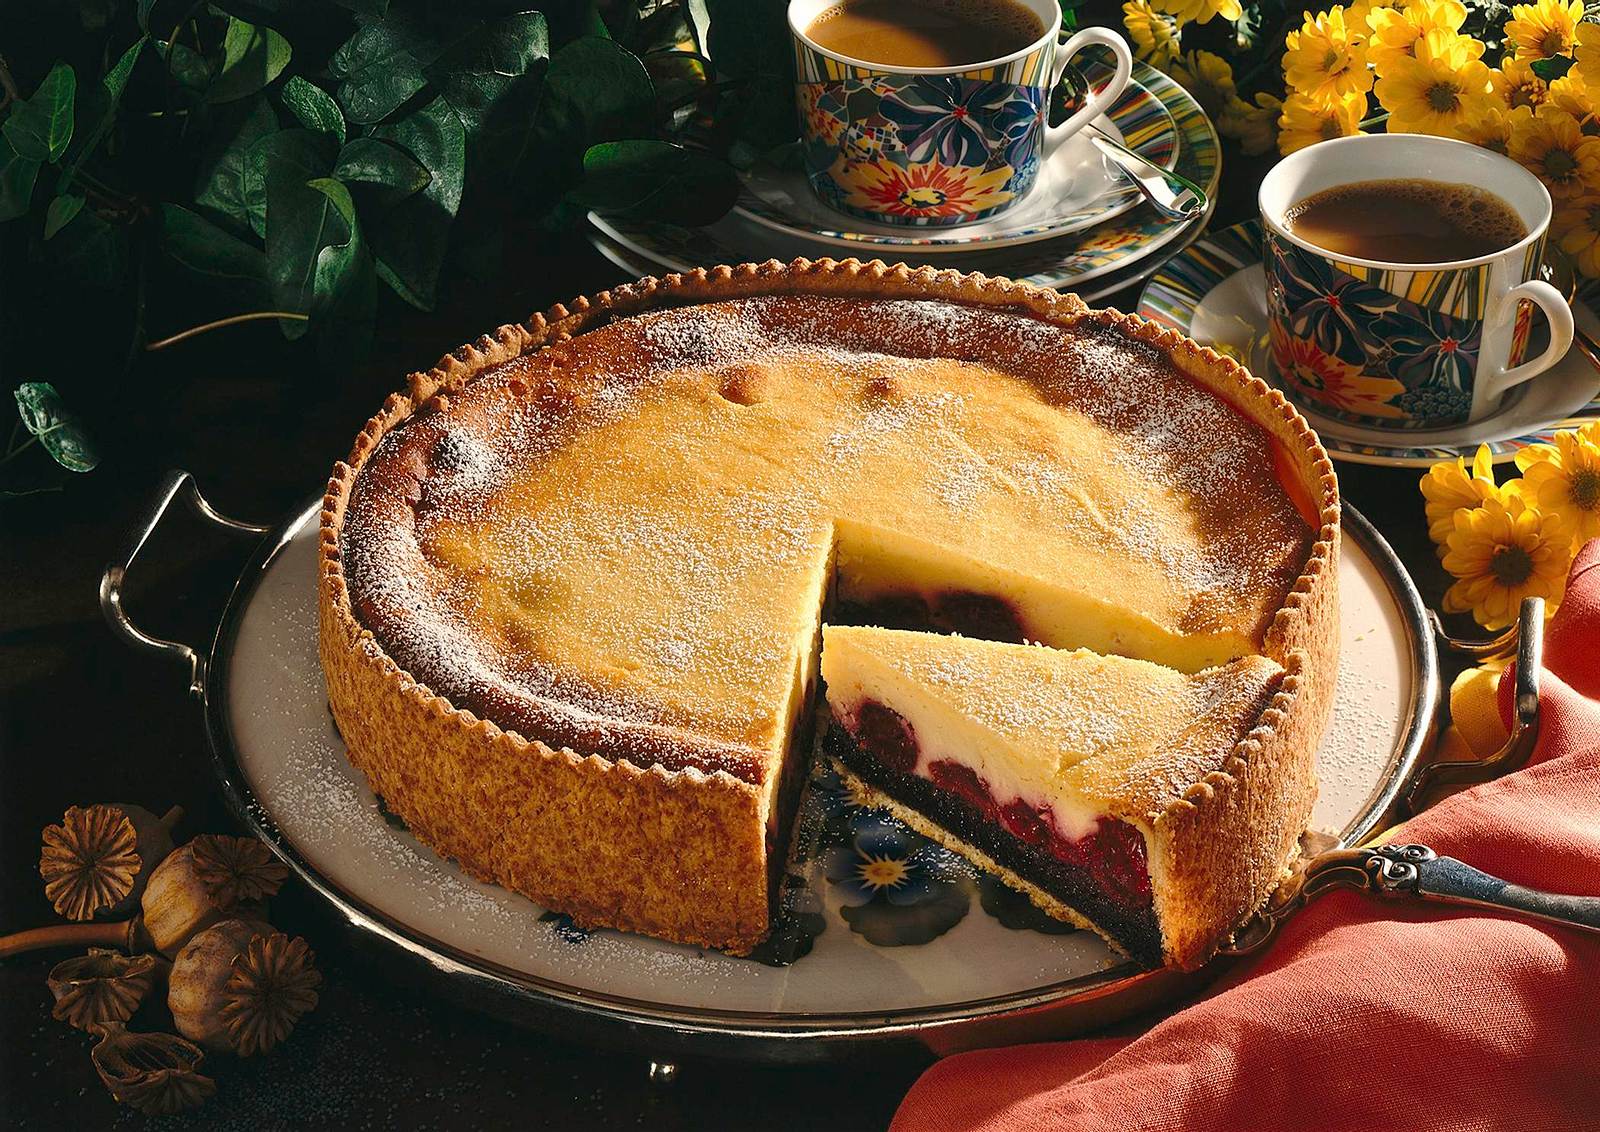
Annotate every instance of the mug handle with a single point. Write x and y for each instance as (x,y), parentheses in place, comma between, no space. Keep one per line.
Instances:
(1559,314)
(1096,103)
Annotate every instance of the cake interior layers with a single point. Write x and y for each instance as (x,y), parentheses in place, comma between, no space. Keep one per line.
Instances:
(1046,765)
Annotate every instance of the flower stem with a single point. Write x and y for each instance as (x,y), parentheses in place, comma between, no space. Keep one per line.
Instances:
(110,934)
(252,316)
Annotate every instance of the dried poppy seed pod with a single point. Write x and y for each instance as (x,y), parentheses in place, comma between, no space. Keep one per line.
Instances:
(155,1073)
(101,987)
(239,987)
(209,879)
(96,860)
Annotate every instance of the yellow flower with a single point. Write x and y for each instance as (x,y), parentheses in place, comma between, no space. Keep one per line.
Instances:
(1570,93)
(1449,486)
(1542,29)
(1564,478)
(1359,15)
(1395,32)
(1501,552)
(1305,121)
(1552,146)
(1254,127)
(1577,229)
(1154,35)
(1517,85)
(1326,59)
(1489,127)
(1438,91)
(1586,55)
(1201,11)
(1208,77)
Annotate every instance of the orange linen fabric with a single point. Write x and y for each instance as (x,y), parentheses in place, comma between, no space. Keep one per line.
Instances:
(1366,1015)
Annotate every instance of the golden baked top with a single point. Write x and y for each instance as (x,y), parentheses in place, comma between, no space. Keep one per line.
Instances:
(623,543)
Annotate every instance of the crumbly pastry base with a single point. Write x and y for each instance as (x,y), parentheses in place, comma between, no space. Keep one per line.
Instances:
(684,855)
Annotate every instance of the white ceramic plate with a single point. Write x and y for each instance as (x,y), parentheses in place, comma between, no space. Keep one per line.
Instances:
(305,792)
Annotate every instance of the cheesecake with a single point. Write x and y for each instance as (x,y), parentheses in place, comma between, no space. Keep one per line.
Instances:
(1050,768)
(574,579)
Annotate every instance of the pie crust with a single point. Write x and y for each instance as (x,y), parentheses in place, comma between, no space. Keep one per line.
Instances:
(680,848)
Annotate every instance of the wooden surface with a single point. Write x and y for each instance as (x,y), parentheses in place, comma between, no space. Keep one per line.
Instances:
(86,719)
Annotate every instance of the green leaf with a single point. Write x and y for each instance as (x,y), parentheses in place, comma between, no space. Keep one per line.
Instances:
(17,176)
(749,40)
(96,106)
(374,162)
(228,185)
(301,221)
(188,67)
(116,79)
(200,245)
(377,70)
(593,91)
(60,213)
(92,252)
(656,178)
(1552,68)
(409,240)
(344,288)
(482,73)
(45,415)
(39,127)
(252,56)
(314,107)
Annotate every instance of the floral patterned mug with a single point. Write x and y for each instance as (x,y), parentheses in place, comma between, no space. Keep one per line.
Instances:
(937,146)
(1400,345)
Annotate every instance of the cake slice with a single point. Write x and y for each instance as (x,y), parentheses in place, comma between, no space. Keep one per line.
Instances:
(1067,773)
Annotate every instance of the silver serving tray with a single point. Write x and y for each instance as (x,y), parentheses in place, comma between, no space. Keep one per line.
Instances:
(282,770)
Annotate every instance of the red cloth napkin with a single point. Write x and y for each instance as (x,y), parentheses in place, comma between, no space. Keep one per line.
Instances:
(1366,1015)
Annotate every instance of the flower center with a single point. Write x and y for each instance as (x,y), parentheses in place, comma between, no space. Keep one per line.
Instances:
(1442,98)
(1448,345)
(1511,565)
(883,872)
(1559,164)
(1331,128)
(1586,489)
(1330,61)
(1553,43)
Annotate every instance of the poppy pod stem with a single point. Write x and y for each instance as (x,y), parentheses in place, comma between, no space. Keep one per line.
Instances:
(124,934)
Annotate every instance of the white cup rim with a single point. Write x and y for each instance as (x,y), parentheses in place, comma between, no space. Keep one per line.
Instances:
(1323,150)
(1051,33)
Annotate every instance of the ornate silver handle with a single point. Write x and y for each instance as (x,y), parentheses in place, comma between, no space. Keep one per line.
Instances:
(111,581)
(1413,872)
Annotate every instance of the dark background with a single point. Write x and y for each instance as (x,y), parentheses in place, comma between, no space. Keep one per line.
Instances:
(86,719)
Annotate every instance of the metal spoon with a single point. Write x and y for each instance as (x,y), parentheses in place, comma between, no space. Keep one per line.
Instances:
(1171,193)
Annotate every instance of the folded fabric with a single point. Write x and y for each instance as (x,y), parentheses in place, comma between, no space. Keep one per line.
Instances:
(1368,1015)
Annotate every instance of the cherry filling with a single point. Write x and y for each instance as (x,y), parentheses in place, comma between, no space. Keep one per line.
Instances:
(1103,874)
(981,616)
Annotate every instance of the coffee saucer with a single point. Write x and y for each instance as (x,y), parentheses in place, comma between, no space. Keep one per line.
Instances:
(1215,292)
(1077,187)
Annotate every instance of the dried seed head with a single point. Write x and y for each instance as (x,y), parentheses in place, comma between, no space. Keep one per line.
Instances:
(96,861)
(239,986)
(89,861)
(197,885)
(237,869)
(155,1073)
(101,987)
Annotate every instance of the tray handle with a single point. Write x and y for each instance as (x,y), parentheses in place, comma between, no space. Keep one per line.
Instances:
(174,483)
(1414,872)
(1527,638)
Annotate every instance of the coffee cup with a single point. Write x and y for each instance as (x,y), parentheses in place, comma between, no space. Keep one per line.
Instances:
(937,146)
(1406,345)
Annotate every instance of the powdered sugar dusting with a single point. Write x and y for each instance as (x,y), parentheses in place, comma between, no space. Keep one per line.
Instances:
(640,532)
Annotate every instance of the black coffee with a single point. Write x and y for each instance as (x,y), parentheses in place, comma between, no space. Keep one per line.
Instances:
(1406,221)
(925,33)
